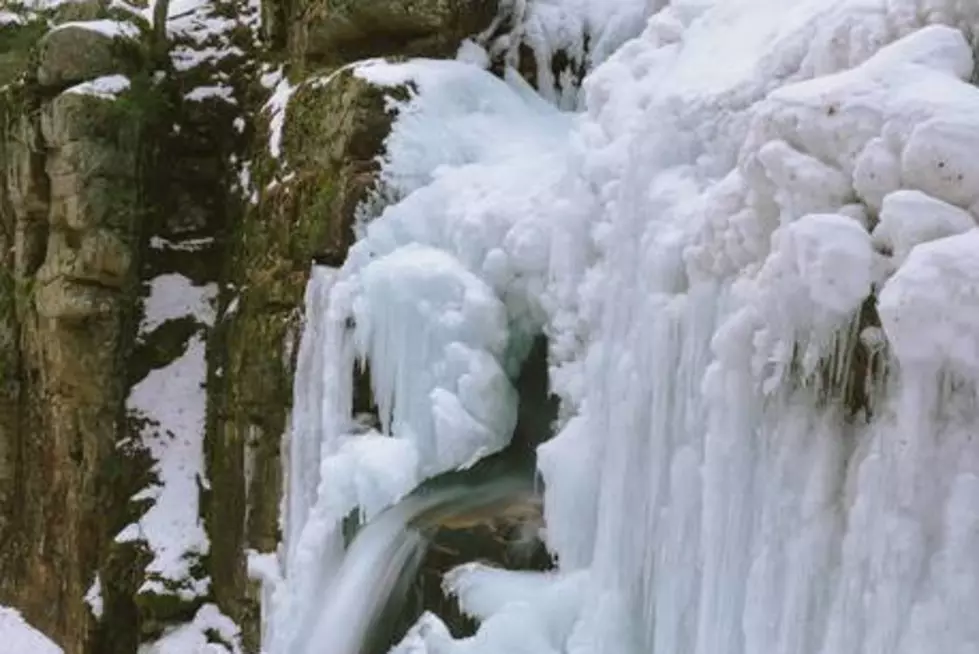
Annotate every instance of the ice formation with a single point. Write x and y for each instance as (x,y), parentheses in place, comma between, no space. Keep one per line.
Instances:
(753,253)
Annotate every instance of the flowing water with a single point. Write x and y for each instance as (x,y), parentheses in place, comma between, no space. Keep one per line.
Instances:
(368,592)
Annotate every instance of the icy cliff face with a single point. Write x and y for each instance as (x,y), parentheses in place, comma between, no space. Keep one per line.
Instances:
(755,256)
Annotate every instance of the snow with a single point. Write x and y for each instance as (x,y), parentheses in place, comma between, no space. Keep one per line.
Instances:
(10,18)
(937,159)
(196,636)
(173,295)
(276,107)
(184,245)
(112,28)
(471,52)
(707,244)
(49,4)
(520,612)
(910,218)
(202,93)
(173,401)
(173,398)
(93,597)
(930,307)
(587,31)
(186,58)
(18,636)
(108,87)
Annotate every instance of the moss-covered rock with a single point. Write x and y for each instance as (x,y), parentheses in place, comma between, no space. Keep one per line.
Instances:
(334,130)
(75,53)
(340,31)
(17,41)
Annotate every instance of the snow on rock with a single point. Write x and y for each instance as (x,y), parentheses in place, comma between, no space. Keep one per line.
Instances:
(202,36)
(173,295)
(876,173)
(938,158)
(457,112)
(93,597)
(10,18)
(183,245)
(199,635)
(111,28)
(909,218)
(20,637)
(186,58)
(819,272)
(276,106)
(108,87)
(930,307)
(472,53)
(520,612)
(219,91)
(803,183)
(172,401)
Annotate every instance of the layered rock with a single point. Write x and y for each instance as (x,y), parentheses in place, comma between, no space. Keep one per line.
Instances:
(70,203)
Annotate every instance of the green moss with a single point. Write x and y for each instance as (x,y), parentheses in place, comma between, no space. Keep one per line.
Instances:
(339,31)
(16,49)
(159,611)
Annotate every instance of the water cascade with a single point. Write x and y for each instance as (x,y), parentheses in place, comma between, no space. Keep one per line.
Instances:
(369,591)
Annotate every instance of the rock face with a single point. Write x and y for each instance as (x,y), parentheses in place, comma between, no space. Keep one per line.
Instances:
(107,187)
(337,31)
(69,211)
(73,54)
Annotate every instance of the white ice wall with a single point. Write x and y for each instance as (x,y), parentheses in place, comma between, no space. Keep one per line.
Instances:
(697,244)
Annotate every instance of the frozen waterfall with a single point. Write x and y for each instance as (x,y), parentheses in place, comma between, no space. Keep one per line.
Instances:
(754,255)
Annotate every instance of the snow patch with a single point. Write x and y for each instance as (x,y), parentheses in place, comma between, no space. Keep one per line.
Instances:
(93,597)
(196,637)
(108,87)
(276,107)
(173,399)
(201,93)
(10,18)
(20,637)
(115,29)
(172,296)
